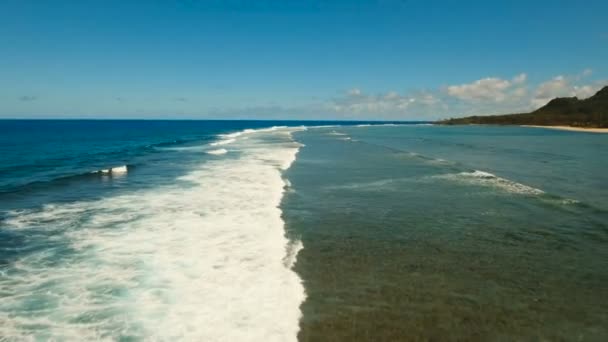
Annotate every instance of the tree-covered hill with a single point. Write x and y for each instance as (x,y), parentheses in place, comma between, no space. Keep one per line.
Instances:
(565,111)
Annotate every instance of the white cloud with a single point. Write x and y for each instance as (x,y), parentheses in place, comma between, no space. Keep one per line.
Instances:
(391,95)
(556,87)
(561,86)
(387,105)
(491,89)
(520,92)
(486,89)
(354,92)
(484,96)
(587,72)
(586,91)
(520,79)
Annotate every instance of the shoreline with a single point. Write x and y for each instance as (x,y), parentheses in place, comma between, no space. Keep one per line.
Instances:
(571,128)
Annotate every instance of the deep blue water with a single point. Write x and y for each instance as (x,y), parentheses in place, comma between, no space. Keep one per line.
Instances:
(40,158)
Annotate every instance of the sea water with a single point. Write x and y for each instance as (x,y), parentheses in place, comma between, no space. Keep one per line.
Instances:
(146,230)
(451,233)
(259,230)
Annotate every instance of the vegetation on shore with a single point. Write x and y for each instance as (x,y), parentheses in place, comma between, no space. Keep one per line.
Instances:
(565,111)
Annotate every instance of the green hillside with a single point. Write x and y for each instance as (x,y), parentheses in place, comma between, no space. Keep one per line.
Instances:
(565,111)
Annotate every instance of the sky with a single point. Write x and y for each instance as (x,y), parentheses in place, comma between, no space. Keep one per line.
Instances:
(367,60)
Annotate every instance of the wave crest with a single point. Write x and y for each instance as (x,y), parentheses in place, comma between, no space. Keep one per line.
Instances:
(218,151)
(206,259)
(483,178)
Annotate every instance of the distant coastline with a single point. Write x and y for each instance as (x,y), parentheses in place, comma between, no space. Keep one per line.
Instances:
(569,113)
(571,128)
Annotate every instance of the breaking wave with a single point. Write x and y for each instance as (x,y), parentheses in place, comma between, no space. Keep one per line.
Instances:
(482,178)
(204,259)
(218,151)
(337,133)
(117,170)
(223,142)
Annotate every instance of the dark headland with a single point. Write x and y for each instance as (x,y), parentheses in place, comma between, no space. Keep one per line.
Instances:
(565,111)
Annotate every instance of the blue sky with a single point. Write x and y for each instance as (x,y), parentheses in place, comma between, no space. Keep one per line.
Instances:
(296,59)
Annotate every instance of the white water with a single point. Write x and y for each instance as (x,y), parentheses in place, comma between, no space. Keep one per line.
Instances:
(336,133)
(482,178)
(119,169)
(218,151)
(113,170)
(223,142)
(204,260)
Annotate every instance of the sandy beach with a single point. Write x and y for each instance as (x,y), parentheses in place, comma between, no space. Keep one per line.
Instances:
(570,128)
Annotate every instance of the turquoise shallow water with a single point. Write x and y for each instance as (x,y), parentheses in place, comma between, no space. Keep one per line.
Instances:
(451,233)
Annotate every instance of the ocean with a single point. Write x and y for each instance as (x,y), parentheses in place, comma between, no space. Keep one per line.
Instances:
(311,231)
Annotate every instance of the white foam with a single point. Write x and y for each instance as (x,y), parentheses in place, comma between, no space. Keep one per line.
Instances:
(479,174)
(440,161)
(293,248)
(323,126)
(385,125)
(231,135)
(270,129)
(204,260)
(223,142)
(336,133)
(483,178)
(119,169)
(218,151)
(195,148)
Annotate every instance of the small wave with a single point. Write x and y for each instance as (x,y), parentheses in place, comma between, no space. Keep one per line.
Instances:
(195,148)
(561,201)
(292,250)
(391,124)
(230,138)
(483,178)
(68,179)
(340,135)
(569,201)
(223,142)
(323,126)
(200,148)
(218,151)
(381,124)
(231,135)
(270,129)
(117,170)
(438,161)
(381,185)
